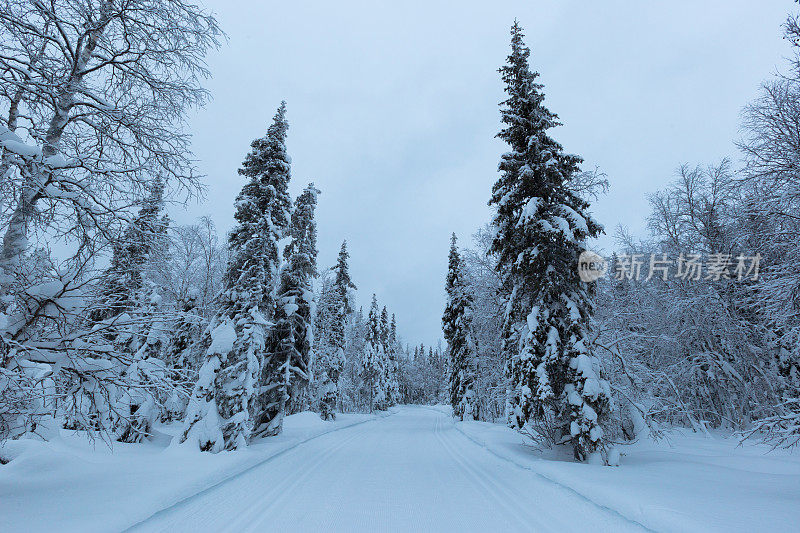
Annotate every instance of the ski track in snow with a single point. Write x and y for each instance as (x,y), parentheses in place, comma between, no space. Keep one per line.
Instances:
(233,477)
(409,471)
(278,494)
(494,490)
(556,483)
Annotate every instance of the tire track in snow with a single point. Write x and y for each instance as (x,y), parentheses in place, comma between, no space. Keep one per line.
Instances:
(188,499)
(511,500)
(538,474)
(478,480)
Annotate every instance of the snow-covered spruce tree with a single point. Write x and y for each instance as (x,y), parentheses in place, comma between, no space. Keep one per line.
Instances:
(353,395)
(343,281)
(122,285)
(181,354)
(140,401)
(332,358)
(388,370)
(393,364)
(291,341)
(541,228)
(231,388)
(303,229)
(384,327)
(456,325)
(273,164)
(204,425)
(373,366)
(486,325)
(324,351)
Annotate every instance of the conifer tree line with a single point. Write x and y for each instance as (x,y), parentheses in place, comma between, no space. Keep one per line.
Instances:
(363,364)
(227,339)
(144,321)
(593,364)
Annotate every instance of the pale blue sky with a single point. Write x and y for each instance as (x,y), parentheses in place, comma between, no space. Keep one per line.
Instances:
(393,109)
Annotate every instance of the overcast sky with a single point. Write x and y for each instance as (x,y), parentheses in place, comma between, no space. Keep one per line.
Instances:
(392,109)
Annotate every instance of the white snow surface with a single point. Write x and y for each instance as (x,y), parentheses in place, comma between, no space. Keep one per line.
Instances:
(413,470)
(71,485)
(686,482)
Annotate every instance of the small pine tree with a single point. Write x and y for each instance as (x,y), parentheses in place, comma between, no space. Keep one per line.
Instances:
(393,365)
(388,371)
(204,426)
(123,286)
(343,281)
(373,368)
(324,350)
(461,350)
(541,228)
(181,354)
(332,362)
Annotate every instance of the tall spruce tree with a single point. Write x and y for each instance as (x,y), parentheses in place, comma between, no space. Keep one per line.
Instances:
(343,284)
(291,341)
(541,228)
(461,350)
(304,242)
(231,391)
(267,410)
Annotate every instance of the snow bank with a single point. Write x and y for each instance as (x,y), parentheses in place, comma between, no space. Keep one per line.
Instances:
(70,484)
(688,483)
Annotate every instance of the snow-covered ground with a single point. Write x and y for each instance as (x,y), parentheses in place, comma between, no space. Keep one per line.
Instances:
(68,485)
(686,482)
(412,470)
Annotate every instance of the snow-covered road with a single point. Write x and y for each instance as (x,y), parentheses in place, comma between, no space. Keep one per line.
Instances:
(411,471)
